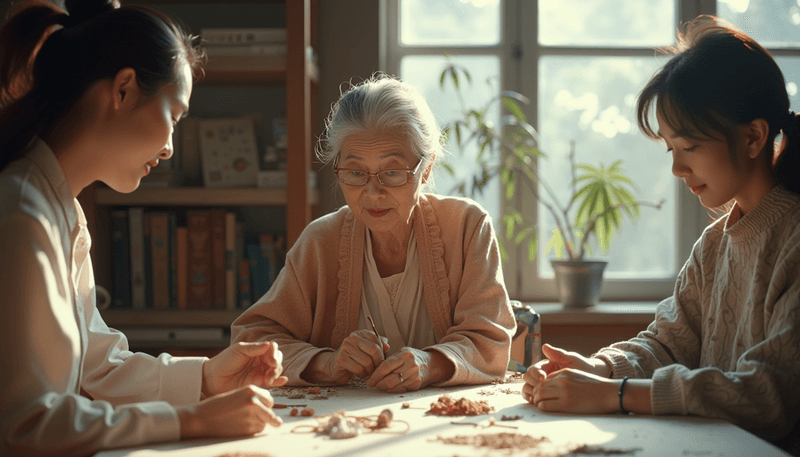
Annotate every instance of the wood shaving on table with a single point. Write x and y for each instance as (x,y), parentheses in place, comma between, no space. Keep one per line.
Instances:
(448,406)
(586,449)
(512,441)
(340,425)
(318,397)
(510,418)
(513,377)
(509,391)
(357,382)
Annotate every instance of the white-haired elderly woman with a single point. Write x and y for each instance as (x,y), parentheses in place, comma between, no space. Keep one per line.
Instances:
(424,268)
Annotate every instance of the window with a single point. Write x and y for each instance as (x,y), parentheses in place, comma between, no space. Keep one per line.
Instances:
(582,64)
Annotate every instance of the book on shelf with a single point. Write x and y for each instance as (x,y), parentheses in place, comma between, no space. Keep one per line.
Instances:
(238,36)
(148,260)
(231,261)
(200,259)
(135,230)
(120,248)
(172,227)
(181,248)
(246,63)
(244,50)
(245,297)
(160,259)
(259,270)
(218,272)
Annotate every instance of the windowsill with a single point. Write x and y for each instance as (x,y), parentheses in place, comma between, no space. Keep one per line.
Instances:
(607,313)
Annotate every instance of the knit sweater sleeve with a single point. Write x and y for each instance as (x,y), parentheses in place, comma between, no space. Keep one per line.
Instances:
(673,337)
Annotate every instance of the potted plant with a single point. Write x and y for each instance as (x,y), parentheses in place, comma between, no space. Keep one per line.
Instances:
(600,195)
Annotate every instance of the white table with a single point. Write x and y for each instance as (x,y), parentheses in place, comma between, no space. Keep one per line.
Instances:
(642,435)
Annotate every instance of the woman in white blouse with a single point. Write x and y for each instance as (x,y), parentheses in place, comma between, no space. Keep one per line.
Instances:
(86,96)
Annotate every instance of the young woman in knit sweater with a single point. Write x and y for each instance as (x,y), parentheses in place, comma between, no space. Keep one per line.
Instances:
(727,343)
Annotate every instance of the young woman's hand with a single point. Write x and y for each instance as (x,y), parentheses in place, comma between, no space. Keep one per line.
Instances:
(559,359)
(574,391)
(242,364)
(411,369)
(241,412)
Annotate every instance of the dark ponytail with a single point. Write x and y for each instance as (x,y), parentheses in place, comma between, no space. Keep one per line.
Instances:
(787,163)
(45,69)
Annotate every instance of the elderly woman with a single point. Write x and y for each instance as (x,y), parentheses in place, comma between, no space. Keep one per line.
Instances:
(424,268)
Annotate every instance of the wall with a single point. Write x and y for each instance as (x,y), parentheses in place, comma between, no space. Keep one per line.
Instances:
(348,48)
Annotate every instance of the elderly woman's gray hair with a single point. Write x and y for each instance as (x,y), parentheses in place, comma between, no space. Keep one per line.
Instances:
(382,103)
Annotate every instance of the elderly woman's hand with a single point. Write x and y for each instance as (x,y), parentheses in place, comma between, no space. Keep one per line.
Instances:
(358,355)
(411,369)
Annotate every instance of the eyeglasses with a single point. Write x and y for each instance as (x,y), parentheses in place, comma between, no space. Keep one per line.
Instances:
(388,178)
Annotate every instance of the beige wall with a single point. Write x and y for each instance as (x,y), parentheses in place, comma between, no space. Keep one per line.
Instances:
(348,48)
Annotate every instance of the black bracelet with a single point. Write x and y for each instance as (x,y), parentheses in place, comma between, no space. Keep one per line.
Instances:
(621,388)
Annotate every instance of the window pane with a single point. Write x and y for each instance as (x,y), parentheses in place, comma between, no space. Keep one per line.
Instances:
(790,66)
(450,22)
(773,23)
(591,101)
(607,22)
(423,72)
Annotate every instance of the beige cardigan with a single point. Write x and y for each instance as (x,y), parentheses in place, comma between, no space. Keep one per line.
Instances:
(315,300)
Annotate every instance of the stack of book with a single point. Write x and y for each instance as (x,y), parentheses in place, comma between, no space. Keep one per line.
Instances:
(208,263)
(264,47)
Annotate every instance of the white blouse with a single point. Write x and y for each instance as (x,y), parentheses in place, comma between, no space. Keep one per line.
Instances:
(53,341)
(397,303)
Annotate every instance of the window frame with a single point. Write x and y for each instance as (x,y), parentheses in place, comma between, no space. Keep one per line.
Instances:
(519,53)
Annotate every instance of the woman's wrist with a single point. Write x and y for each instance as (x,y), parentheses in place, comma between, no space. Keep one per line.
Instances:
(190,427)
(440,368)
(318,369)
(602,367)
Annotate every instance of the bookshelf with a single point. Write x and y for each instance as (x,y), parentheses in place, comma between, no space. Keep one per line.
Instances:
(298,76)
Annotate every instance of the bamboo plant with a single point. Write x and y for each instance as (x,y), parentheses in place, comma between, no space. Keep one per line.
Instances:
(600,195)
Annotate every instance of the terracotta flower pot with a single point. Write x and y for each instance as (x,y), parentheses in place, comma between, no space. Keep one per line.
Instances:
(578,282)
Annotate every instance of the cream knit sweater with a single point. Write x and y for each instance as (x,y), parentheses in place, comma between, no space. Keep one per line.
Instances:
(727,343)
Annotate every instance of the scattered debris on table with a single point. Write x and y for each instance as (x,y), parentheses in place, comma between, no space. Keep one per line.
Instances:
(484,424)
(317,393)
(510,418)
(357,382)
(448,406)
(496,441)
(513,377)
(307,412)
(339,425)
(586,449)
(283,406)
